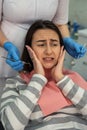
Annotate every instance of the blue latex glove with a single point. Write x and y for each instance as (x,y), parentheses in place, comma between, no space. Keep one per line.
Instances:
(13,53)
(75,49)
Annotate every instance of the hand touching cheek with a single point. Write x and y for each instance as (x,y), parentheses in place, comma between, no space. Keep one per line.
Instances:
(38,68)
(57,71)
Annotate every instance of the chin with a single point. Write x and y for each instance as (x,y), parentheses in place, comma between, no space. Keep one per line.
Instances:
(48,67)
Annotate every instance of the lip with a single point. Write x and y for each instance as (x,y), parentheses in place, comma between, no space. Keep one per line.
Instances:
(48,59)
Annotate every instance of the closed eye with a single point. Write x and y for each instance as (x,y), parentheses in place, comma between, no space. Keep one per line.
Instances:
(55,43)
(42,44)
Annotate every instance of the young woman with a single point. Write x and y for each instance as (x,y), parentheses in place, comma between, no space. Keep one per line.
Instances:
(15,19)
(44,95)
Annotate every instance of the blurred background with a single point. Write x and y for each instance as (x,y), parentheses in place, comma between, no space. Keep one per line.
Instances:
(78,11)
(78,29)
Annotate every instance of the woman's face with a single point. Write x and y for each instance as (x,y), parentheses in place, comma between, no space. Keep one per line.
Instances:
(46,45)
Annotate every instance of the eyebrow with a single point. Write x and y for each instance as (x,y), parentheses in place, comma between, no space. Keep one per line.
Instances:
(53,40)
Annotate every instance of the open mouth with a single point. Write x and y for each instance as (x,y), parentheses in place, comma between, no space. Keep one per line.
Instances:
(48,59)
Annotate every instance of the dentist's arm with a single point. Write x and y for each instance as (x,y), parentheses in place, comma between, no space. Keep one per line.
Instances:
(75,49)
(13,52)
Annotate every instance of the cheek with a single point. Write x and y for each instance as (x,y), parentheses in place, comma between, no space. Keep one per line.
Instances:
(38,53)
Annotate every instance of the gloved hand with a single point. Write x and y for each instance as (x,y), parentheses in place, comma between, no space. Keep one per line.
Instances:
(14,54)
(75,49)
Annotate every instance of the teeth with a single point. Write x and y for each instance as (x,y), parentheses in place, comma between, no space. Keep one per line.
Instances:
(48,58)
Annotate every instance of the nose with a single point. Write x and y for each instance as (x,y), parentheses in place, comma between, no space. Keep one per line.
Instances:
(48,49)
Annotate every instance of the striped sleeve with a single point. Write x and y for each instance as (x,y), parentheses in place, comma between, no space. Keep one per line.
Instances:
(75,93)
(17,105)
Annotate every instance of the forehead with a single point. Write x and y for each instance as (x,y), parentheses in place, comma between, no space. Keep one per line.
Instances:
(45,33)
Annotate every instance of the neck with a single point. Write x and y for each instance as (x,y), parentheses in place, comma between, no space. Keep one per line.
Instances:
(48,74)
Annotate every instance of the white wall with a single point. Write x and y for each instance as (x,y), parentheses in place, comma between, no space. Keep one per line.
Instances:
(78,11)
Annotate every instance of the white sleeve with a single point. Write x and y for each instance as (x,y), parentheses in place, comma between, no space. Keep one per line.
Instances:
(61,16)
(0,9)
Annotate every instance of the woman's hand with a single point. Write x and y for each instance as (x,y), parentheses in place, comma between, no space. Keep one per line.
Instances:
(57,71)
(38,68)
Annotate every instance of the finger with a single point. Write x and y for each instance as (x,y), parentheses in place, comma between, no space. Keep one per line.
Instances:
(18,67)
(77,47)
(62,56)
(38,68)
(83,50)
(15,56)
(32,56)
(62,52)
(31,53)
(12,63)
